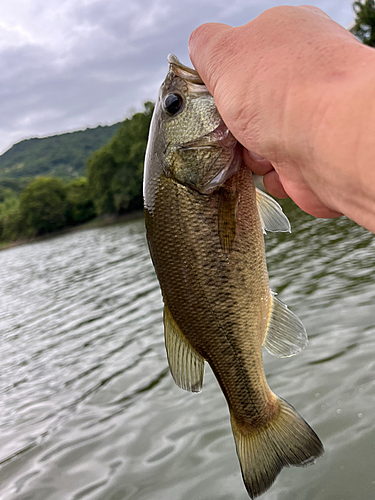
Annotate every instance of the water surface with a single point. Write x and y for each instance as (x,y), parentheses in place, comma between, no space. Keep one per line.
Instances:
(88,409)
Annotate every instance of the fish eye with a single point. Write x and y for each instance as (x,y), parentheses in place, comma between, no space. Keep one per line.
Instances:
(173,103)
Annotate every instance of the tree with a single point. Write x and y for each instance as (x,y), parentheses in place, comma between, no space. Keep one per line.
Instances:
(10,220)
(101,169)
(43,206)
(364,28)
(80,207)
(115,171)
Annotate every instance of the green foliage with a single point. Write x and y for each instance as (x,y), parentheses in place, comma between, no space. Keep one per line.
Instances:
(115,171)
(5,193)
(101,169)
(34,206)
(43,206)
(10,221)
(12,186)
(80,207)
(62,155)
(364,28)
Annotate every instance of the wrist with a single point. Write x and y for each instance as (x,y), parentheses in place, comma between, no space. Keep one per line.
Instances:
(342,149)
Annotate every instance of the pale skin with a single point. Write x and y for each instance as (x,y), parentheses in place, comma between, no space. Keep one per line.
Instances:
(297,91)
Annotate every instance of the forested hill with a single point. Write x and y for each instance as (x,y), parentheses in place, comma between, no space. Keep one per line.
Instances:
(62,155)
(43,190)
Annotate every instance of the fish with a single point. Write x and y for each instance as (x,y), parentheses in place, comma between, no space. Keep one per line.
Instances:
(205,224)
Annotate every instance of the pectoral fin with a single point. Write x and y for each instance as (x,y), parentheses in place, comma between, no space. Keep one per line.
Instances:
(286,334)
(271,214)
(186,365)
(228,203)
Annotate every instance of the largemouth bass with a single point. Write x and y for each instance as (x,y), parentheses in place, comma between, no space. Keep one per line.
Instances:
(205,223)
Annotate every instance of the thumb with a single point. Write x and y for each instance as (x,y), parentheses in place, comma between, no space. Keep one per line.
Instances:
(208,49)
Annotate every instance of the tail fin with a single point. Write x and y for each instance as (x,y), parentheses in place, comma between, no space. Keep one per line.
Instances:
(263,452)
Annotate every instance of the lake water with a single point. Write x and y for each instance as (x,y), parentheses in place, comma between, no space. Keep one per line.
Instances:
(88,409)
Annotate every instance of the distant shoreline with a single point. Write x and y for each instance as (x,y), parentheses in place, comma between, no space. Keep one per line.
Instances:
(102,221)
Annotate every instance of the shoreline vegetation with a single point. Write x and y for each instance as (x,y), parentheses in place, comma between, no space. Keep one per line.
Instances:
(34,208)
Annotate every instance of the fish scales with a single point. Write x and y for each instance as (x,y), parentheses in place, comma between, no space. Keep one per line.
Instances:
(205,222)
(211,313)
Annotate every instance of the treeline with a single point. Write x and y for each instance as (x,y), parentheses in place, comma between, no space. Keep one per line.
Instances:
(113,186)
(47,204)
(115,171)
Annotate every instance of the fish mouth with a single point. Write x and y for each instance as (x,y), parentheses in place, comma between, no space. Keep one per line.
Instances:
(185,72)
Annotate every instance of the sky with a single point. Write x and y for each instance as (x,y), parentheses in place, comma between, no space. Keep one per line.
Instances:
(71,64)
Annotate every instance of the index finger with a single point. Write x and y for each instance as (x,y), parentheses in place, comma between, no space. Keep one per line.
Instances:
(208,50)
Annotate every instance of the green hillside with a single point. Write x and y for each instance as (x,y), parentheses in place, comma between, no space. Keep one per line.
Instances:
(62,155)
(42,188)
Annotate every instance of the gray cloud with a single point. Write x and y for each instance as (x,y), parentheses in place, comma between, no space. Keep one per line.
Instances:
(69,64)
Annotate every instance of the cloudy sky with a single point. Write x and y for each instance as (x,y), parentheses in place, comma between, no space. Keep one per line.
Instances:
(69,64)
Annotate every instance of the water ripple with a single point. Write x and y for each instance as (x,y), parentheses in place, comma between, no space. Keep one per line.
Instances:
(89,410)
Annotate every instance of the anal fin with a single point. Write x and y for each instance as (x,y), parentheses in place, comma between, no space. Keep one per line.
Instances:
(286,334)
(185,364)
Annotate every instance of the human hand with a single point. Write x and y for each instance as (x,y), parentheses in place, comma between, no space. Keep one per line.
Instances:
(277,82)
